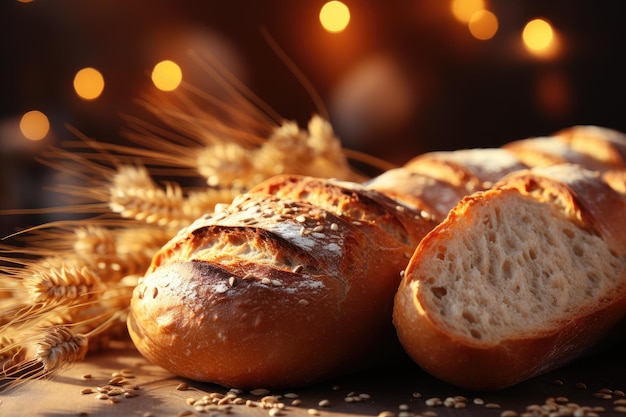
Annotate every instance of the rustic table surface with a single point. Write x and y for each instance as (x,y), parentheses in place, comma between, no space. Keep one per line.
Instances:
(137,388)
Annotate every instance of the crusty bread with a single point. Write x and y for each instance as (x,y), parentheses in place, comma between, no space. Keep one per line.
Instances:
(290,284)
(604,145)
(294,282)
(616,178)
(592,147)
(436,181)
(517,280)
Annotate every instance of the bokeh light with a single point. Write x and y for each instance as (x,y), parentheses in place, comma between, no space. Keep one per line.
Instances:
(483,25)
(463,10)
(88,83)
(538,35)
(334,16)
(34,125)
(167,75)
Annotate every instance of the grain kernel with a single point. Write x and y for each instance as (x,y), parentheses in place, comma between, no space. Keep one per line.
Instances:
(433,402)
(86,391)
(324,403)
(118,380)
(269,399)
(182,387)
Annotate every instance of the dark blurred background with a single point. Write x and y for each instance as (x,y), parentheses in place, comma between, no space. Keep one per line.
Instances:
(404,77)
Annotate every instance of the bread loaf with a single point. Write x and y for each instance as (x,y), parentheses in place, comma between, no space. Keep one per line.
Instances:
(592,147)
(436,181)
(517,280)
(291,284)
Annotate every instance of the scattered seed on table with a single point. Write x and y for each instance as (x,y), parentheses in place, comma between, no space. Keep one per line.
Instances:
(433,402)
(118,380)
(261,392)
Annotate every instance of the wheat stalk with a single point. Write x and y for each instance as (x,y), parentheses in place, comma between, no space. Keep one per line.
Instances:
(68,284)
(59,347)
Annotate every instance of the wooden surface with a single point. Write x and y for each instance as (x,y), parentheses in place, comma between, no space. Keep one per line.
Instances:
(392,389)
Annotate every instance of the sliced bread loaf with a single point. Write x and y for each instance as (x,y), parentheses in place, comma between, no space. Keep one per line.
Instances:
(517,280)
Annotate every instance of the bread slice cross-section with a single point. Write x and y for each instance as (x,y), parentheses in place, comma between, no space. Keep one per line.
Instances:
(517,280)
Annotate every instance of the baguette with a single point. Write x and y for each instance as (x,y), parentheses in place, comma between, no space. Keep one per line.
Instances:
(517,280)
(436,181)
(592,147)
(291,284)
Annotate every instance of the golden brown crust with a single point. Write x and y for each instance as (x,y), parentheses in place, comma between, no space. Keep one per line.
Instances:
(275,291)
(435,182)
(616,178)
(433,197)
(469,169)
(606,146)
(592,147)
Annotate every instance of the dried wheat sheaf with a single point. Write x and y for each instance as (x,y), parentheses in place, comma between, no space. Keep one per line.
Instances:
(67,289)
